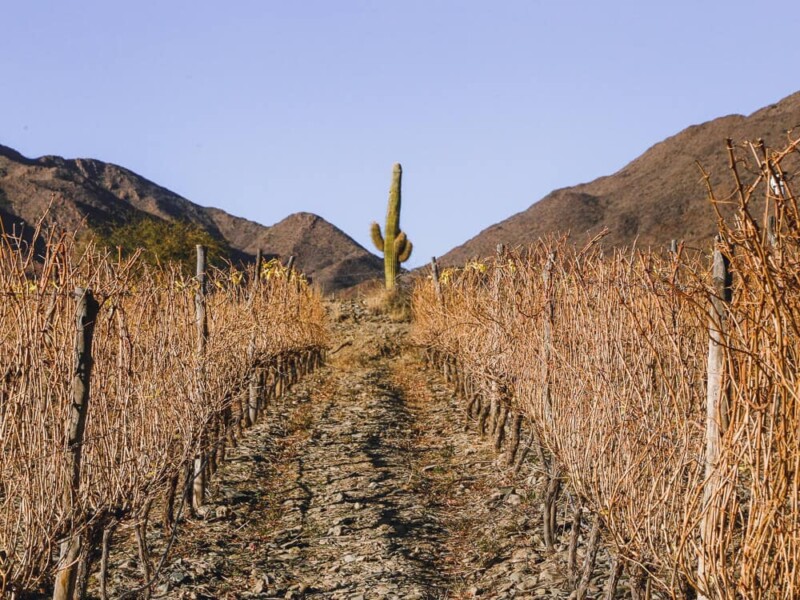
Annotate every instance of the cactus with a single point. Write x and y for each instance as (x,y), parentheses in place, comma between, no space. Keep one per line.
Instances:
(394,244)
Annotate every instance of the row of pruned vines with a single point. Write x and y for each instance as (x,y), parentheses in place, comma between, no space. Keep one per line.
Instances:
(660,390)
(121,385)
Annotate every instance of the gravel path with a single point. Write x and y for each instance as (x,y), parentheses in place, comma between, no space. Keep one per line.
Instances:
(361,483)
(355,523)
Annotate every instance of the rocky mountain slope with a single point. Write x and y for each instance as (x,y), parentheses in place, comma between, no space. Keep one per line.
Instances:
(91,195)
(658,197)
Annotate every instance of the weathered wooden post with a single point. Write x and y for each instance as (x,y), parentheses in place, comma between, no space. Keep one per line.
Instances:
(716,413)
(255,371)
(549,466)
(257,269)
(280,381)
(495,402)
(201,319)
(289,267)
(772,235)
(437,284)
(253,393)
(547,335)
(86,314)
(201,322)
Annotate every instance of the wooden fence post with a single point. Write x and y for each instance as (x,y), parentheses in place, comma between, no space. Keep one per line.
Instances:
(258,265)
(253,393)
(437,284)
(716,413)
(200,301)
(547,335)
(289,267)
(772,235)
(549,464)
(495,401)
(86,314)
(201,322)
(256,372)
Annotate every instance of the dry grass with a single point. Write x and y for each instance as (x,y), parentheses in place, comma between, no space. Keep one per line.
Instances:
(606,356)
(156,401)
(394,304)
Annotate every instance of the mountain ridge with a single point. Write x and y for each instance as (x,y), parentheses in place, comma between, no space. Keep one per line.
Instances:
(656,197)
(85,193)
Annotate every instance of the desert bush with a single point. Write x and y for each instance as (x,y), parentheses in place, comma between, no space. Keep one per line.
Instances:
(159,241)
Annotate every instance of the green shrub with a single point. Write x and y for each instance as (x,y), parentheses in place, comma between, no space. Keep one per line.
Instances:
(162,241)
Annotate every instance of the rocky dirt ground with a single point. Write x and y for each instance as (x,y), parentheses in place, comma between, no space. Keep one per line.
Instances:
(362,483)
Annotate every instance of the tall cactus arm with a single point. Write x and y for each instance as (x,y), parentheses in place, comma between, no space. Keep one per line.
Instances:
(403,250)
(400,242)
(377,237)
(393,211)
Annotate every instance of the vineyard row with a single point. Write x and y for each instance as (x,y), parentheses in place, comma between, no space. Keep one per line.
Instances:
(659,390)
(121,386)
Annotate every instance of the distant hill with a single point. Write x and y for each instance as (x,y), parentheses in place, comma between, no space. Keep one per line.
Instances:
(104,199)
(656,198)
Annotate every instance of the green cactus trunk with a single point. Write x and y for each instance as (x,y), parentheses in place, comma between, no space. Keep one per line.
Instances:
(390,263)
(394,244)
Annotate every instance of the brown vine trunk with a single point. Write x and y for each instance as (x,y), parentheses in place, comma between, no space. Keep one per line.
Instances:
(108,533)
(485,409)
(572,555)
(144,551)
(525,450)
(500,428)
(513,441)
(549,509)
(614,575)
(589,560)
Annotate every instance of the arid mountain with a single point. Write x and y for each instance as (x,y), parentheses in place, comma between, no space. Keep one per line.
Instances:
(658,197)
(335,258)
(92,195)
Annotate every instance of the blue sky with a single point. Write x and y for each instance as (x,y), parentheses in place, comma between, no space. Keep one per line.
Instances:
(265,108)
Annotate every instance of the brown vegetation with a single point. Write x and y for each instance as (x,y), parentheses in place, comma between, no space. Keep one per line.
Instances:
(606,357)
(159,396)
